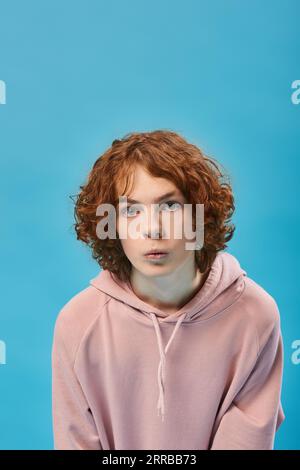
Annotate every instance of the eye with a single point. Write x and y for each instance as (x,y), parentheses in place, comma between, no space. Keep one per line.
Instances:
(125,211)
(165,205)
(131,211)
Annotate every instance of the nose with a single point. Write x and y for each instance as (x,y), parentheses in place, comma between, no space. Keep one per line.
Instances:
(152,224)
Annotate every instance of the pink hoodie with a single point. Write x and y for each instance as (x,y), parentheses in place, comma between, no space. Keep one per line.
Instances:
(126,375)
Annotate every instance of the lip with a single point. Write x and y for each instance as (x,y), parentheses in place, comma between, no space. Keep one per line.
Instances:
(156,254)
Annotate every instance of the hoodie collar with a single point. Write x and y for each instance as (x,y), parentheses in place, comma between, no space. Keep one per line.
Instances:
(223,286)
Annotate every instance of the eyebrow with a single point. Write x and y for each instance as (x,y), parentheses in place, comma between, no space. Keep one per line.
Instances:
(160,198)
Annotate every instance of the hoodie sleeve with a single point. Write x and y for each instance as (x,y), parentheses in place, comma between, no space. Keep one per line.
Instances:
(73,424)
(256,413)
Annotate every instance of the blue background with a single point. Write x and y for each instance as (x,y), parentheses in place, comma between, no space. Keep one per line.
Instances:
(82,73)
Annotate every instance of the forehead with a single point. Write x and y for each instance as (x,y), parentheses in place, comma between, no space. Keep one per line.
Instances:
(140,183)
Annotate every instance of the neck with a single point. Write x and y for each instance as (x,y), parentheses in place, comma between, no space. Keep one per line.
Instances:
(169,292)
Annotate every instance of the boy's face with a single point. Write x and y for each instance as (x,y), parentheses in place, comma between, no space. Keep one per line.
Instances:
(148,190)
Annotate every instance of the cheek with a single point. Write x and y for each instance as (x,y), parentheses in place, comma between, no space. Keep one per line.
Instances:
(180,222)
(177,226)
(128,228)
(187,226)
(129,247)
(180,250)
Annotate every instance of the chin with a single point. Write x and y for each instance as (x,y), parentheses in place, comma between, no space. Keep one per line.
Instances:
(156,270)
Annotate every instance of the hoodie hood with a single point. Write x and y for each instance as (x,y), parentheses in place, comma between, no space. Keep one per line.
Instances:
(223,286)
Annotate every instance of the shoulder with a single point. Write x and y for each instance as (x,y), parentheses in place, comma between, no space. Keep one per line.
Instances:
(261,310)
(76,317)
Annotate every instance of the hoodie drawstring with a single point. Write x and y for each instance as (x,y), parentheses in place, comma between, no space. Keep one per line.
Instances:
(162,363)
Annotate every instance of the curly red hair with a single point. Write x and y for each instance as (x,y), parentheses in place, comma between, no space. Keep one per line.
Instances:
(164,154)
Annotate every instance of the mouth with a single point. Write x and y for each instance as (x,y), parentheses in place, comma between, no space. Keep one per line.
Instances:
(156,254)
